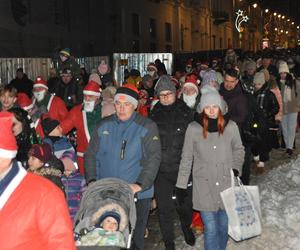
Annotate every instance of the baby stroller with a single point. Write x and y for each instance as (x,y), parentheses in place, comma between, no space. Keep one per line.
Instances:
(98,198)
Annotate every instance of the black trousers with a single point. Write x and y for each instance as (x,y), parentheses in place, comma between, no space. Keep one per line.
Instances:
(246,170)
(164,190)
(142,213)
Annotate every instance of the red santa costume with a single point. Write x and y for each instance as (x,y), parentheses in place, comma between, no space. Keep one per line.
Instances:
(83,121)
(55,106)
(33,211)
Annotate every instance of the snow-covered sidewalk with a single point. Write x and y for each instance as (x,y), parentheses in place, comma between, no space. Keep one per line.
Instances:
(280,205)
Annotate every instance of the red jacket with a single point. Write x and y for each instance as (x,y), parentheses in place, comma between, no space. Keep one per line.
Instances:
(56,110)
(77,119)
(35,216)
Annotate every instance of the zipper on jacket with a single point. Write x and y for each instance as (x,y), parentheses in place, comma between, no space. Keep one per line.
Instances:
(122,154)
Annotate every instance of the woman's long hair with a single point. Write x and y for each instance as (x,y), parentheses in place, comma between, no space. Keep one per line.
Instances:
(220,124)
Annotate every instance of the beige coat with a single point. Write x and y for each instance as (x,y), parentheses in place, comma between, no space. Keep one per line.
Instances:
(211,158)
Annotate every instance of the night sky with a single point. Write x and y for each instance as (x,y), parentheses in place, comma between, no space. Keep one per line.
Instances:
(286,7)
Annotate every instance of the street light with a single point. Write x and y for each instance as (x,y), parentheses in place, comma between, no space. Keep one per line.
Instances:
(298,27)
(286,32)
(281,31)
(293,23)
(254,5)
(275,14)
(279,15)
(275,29)
(289,20)
(266,10)
(283,17)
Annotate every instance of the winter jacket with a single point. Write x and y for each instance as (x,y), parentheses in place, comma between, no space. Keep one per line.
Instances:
(54,108)
(172,122)
(267,102)
(78,118)
(74,187)
(290,105)
(23,85)
(35,215)
(211,158)
(129,150)
(67,92)
(237,104)
(247,83)
(276,92)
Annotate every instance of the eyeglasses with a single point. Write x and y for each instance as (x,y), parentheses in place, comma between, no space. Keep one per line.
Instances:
(166,95)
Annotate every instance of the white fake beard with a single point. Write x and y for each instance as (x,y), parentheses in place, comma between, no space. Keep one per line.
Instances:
(88,106)
(190,100)
(39,95)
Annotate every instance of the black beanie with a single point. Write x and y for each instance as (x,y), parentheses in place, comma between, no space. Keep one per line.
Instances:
(49,125)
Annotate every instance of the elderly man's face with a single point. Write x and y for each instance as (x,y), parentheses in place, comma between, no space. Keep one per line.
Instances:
(124,109)
(189,91)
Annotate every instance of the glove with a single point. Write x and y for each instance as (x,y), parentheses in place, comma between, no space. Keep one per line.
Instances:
(235,172)
(181,194)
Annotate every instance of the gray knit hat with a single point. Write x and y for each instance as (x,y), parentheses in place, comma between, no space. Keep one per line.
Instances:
(165,83)
(210,96)
(250,65)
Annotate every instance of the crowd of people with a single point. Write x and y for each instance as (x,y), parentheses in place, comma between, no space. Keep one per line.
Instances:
(168,136)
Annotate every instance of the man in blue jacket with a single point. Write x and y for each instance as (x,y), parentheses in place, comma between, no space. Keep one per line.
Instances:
(127,146)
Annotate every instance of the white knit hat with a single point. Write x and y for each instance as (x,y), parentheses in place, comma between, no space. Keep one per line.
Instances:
(283,68)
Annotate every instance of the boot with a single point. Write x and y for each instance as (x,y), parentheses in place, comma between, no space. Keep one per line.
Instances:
(260,168)
(169,245)
(189,236)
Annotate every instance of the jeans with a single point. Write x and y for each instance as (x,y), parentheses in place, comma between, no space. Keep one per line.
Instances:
(215,229)
(288,126)
(142,213)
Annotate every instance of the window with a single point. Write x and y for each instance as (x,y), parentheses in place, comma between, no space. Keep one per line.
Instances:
(152,28)
(152,47)
(135,19)
(168,32)
(221,43)
(136,46)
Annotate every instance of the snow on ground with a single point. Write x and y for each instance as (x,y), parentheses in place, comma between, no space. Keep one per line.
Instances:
(280,205)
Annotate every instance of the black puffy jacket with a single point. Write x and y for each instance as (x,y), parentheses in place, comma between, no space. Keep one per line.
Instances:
(172,122)
(268,104)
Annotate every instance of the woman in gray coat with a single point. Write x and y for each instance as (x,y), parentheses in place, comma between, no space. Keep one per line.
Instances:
(211,148)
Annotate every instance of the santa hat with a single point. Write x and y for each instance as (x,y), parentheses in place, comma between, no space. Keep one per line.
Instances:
(128,93)
(40,82)
(152,66)
(24,101)
(65,52)
(92,88)
(192,81)
(189,63)
(205,64)
(8,144)
(96,78)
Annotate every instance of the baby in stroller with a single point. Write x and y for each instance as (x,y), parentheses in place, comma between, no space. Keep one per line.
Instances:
(107,215)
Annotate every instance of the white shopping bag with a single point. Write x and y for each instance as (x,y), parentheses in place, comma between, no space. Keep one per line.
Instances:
(242,205)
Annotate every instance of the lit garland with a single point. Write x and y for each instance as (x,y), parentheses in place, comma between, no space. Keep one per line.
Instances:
(239,19)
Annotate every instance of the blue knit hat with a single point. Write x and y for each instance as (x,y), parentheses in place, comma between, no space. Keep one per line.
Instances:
(111,213)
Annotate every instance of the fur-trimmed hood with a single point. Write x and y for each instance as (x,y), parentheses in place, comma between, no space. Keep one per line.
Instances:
(112,207)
